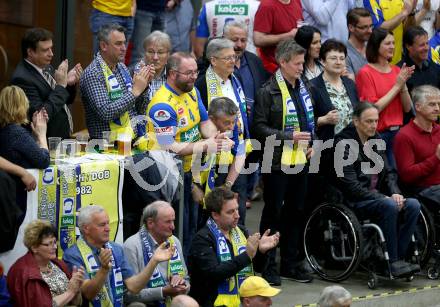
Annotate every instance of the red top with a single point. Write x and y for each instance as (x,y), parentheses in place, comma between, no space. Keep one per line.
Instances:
(414,150)
(372,85)
(274,17)
(26,285)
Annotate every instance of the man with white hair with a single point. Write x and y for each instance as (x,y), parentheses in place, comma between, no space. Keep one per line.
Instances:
(417,145)
(335,296)
(171,277)
(107,271)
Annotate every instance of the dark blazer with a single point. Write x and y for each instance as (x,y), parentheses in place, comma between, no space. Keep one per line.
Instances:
(40,94)
(323,104)
(259,74)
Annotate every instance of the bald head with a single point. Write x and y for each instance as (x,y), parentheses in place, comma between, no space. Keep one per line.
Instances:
(184,301)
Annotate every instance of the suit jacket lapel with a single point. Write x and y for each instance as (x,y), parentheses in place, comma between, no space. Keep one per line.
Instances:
(36,75)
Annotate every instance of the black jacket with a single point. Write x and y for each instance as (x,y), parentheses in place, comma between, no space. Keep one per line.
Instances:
(40,94)
(427,74)
(323,104)
(268,117)
(355,184)
(206,271)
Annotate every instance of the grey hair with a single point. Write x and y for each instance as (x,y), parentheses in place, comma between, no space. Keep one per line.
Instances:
(288,48)
(421,93)
(157,37)
(105,31)
(86,213)
(216,45)
(175,59)
(332,295)
(222,105)
(152,210)
(235,24)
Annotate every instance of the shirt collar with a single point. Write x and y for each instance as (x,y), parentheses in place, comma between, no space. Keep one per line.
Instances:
(410,62)
(39,69)
(420,130)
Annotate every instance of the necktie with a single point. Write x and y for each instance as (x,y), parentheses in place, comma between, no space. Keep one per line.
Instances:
(52,83)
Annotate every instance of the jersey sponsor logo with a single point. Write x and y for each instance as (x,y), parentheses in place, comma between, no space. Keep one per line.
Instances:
(162,115)
(164,130)
(183,122)
(190,136)
(231,9)
(180,111)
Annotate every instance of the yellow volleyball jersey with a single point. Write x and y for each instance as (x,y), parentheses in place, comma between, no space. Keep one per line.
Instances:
(175,118)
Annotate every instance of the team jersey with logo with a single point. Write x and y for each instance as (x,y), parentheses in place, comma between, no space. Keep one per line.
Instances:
(174,117)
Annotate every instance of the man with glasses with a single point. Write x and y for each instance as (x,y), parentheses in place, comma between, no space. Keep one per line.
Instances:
(360,27)
(178,121)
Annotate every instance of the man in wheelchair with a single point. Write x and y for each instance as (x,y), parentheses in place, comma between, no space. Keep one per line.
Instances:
(370,187)
(417,146)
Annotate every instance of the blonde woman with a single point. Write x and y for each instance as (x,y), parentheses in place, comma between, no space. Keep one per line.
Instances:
(39,278)
(19,145)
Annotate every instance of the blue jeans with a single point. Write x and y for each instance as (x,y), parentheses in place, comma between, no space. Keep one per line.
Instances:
(178,24)
(385,213)
(388,137)
(190,214)
(144,23)
(98,19)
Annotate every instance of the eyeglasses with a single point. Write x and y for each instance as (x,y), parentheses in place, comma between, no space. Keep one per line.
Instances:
(231,58)
(365,27)
(188,73)
(50,244)
(159,53)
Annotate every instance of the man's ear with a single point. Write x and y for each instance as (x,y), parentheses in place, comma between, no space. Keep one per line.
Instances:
(29,52)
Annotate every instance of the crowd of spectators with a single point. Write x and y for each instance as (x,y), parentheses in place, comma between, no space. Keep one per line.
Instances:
(253,84)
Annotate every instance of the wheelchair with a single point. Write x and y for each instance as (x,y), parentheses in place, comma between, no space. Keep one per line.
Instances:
(336,244)
(428,233)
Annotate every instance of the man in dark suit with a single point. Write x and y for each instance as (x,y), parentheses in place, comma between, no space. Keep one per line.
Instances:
(248,67)
(52,91)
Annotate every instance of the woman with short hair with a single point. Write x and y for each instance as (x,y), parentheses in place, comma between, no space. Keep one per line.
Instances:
(39,278)
(334,94)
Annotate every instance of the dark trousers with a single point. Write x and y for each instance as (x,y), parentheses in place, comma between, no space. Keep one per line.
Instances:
(190,214)
(284,200)
(385,213)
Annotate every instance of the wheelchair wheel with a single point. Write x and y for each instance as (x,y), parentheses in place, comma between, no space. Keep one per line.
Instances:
(333,242)
(425,235)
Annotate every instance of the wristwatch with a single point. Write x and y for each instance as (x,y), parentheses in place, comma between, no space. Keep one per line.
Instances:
(228,184)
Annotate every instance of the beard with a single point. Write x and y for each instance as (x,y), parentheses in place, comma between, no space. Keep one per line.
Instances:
(185,87)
